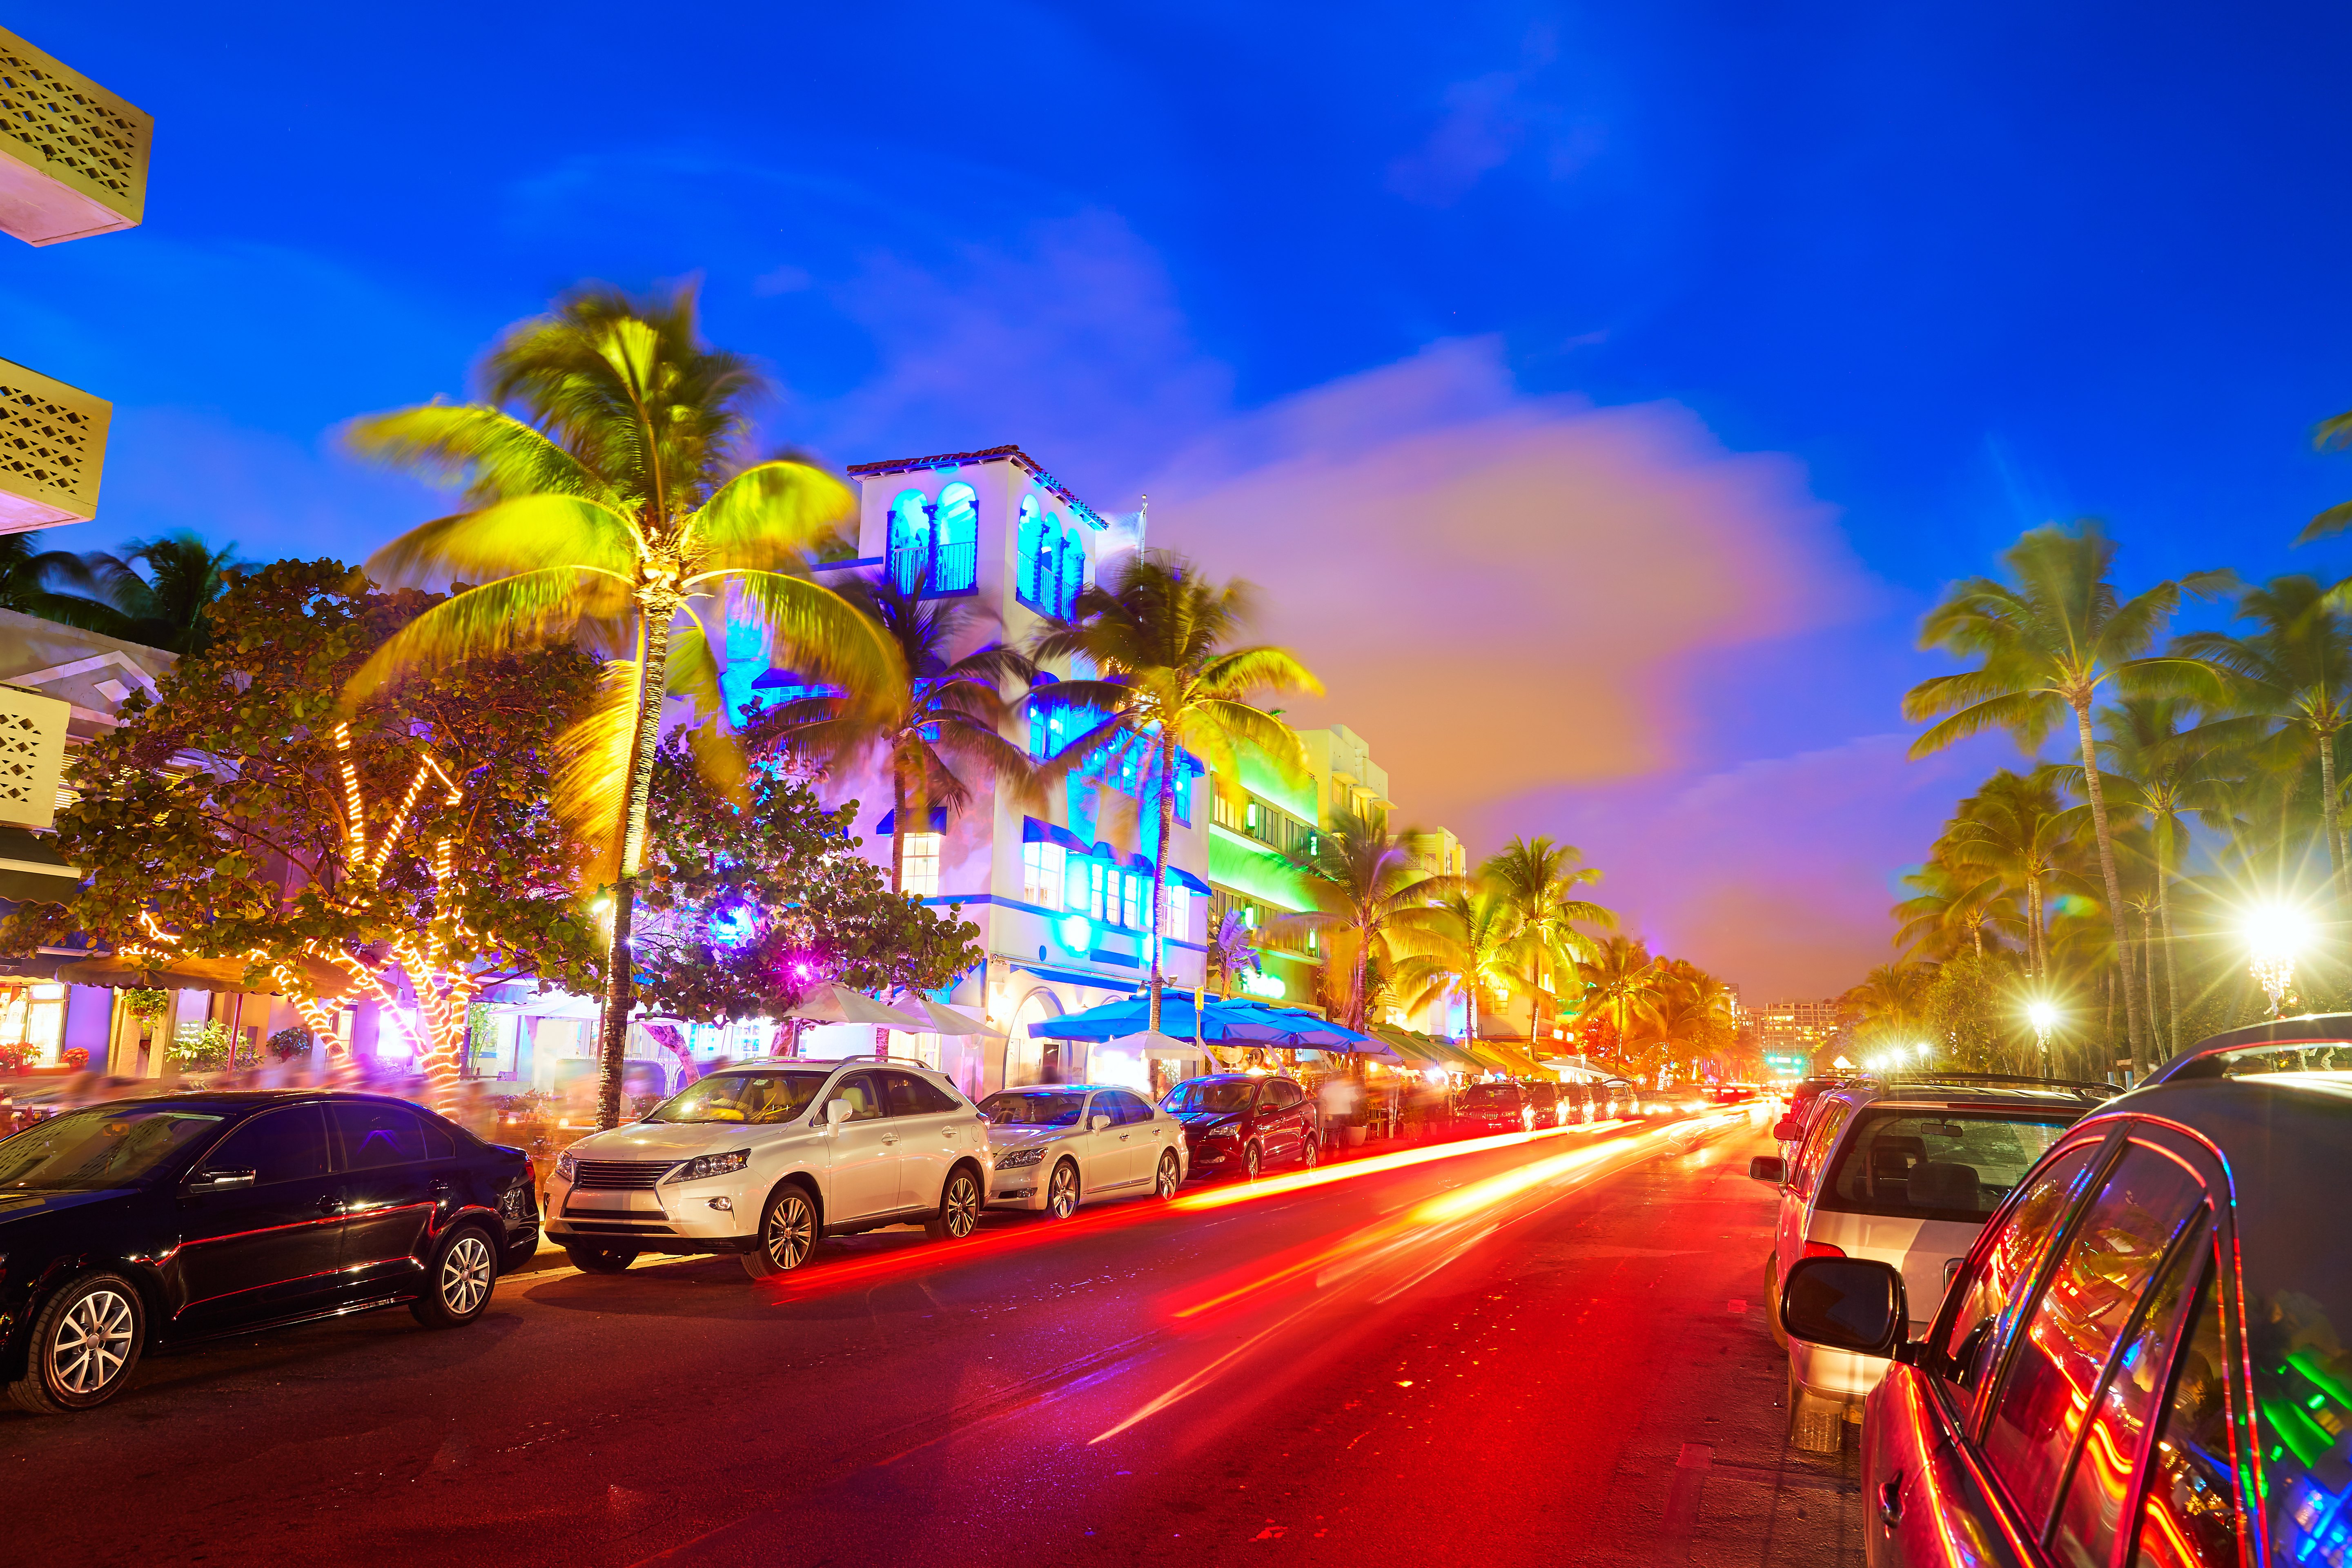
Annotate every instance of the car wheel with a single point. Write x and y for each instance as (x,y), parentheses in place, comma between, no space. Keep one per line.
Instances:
(958,1208)
(599,1259)
(1310,1154)
(1815,1426)
(1062,1192)
(459,1278)
(1253,1158)
(787,1234)
(84,1341)
(1171,1177)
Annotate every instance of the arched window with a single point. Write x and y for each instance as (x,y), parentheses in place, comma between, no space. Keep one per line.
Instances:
(1074,572)
(910,541)
(1025,547)
(956,529)
(1051,594)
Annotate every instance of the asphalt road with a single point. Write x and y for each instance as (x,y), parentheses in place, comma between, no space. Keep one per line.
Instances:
(1545,1352)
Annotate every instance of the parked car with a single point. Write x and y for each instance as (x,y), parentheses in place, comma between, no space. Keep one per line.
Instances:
(1904,1172)
(1235,1123)
(761,1160)
(180,1217)
(1550,1103)
(1485,1109)
(1802,1099)
(1056,1145)
(2143,1359)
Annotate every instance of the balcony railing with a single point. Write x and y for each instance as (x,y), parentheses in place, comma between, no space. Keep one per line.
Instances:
(73,156)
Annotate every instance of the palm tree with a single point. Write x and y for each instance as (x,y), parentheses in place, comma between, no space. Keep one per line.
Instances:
(1949,906)
(1161,636)
(164,588)
(2294,669)
(939,729)
(1621,986)
(55,584)
(602,510)
(1537,878)
(1370,891)
(1892,1000)
(2160,770)
(2047,642)
(1693,1009)
(1473,946)
(2015,830)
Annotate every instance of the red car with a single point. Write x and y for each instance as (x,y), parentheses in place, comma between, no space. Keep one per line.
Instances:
(2143,1361)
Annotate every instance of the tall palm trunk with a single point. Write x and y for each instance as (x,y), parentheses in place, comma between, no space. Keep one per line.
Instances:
(2329,811)
(2172,958)
(620,966)
(897,875)
(2147,961)
(1160,868)
(2132,1024)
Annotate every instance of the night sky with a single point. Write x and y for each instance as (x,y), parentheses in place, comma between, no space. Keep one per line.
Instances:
(1600,393)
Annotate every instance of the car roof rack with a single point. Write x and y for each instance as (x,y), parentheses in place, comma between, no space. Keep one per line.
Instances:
(2079,1087)
(2206,1058)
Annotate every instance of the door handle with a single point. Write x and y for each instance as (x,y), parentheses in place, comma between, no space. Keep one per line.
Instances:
(1890,1501)
(889,1137)
(1123,1137)
(437,1187)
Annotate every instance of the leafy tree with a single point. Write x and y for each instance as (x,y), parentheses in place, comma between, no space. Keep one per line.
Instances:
(1970,1011)
(1890,1003)
(1621,987)
(2046,641)
(1370,894)
(1472,946)
(1694,1027)
(753,904)
(603,512)
(242,818)
(1538,877)
(1161,636)
(940,726)
(2016,829)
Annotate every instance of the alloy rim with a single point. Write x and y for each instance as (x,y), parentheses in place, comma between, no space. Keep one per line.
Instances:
(1312,1154)
(964,1207)
(1065,1199)
(789,1227)
(93,1342)
(1167,1175)
(465,1274)
(1250,1158)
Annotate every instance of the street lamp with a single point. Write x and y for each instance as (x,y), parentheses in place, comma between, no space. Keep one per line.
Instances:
(2044,1016)
(2275,935)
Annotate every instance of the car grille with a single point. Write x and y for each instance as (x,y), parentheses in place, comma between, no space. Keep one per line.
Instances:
(627,1174)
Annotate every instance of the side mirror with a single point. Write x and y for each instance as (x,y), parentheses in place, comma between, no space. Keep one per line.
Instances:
(1768,1168)
(220,1181)
(836,1111)
(1787,1131)
(1845,1304)
(1098,1122)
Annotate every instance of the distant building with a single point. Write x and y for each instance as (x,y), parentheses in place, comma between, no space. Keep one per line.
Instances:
(1791,1034)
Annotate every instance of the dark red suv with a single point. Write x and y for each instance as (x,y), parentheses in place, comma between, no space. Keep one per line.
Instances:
(1237,1124)
(2142,1360)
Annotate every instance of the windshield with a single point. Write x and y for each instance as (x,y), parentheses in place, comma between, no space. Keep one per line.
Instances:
(758,1097)
(1050,1109)
(89,1150)
(1220,1095)
(1937,1165)
(1490,1095)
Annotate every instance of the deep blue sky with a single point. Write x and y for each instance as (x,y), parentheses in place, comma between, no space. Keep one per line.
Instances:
(1967,268)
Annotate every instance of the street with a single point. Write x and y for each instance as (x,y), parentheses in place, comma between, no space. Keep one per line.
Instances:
(1538,1350)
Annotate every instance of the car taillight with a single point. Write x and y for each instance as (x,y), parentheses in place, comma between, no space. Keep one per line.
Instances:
(1822,1249)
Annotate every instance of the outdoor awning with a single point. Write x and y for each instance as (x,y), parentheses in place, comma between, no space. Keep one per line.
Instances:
(890,823)
(1035,832)
(1508,1058)
(31,869)
(1077,977)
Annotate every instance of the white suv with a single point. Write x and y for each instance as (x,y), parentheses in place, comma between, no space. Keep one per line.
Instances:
(763,1158)
(1905,1173)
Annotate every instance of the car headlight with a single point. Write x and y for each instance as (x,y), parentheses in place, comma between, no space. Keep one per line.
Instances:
(566,1167)
(703,1165)
(1223,1130)
(1014,1159)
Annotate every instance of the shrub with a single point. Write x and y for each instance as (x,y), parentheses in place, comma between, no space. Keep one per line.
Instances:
(199,1047)
(288,1044)
(74,1056)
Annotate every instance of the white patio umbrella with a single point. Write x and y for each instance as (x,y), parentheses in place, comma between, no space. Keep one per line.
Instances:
(832,1004)
(948,1021)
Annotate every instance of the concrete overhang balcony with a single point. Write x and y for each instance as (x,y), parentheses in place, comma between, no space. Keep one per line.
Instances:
(73,156)
(52,448)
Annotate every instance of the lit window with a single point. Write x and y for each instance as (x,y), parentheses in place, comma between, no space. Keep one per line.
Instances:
(1032,526)
(956,529)
(1176,916)
(1074,572)
(1131,904)
(1041,874)
(1098,893)
(1249,916)
(1249,816)
(919,871)
(910,541)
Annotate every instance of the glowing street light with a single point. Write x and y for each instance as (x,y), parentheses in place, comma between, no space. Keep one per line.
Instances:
(2275,935)
(2044,1016)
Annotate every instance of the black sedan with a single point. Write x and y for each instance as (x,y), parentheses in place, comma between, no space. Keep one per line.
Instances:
(180,1217)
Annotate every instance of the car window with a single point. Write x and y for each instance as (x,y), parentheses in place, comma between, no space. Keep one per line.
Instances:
(910,1096)
(1817,1143)
(759,1099)
(1934,1164)
(1032,1108)
(1218,1096)
(373,1136)
(1286,1093)
(2006,1255)
(2099,1486)
(2191,1517)
(857,1091)
(2079,1316)
(276,1146)
(91,1151)
(1129,1108)
(1492,1096)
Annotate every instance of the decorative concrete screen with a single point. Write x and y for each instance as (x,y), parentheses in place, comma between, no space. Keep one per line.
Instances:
(32,754)
(52,448)
(73,157)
